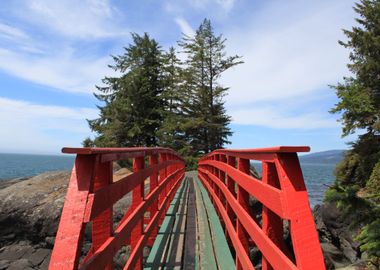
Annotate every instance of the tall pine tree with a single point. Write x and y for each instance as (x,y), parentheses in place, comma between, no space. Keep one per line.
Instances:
(207,122)
(133,110)
(159,100)
(171,132)
(357,186)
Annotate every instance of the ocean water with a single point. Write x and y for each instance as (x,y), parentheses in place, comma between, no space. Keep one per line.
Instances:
(317,176)
(22,165)
(317,179)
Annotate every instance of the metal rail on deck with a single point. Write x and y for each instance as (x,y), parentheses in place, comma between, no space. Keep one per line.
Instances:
(282,192)
(92,193)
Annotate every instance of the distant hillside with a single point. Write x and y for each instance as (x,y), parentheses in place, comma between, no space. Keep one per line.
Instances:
(325,157)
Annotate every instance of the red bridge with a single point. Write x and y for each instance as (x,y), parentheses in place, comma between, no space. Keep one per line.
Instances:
(224,216)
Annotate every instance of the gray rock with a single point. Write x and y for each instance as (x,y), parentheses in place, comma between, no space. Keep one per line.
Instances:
(50,241)
(15,252)
(121,257)
(7,183)
(45,264)
(4,264)
(333,256)
(29,215)
(336,236)
(27,212)
(39,256)
(22,264)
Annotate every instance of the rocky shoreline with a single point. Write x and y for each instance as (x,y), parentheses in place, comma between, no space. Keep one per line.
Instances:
(30,212)
(337,238)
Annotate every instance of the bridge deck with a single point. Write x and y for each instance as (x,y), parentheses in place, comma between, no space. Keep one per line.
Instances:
(191,235)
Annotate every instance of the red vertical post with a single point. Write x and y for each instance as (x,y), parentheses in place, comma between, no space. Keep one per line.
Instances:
(306,246)
(137,198)
(222,177)
(243,200)
(217,173)
(231,186)
(102,225)
(216,188)
(170,170)
(211,182)
(272,225)
(163,175)
(71,228)
(169,167)
(153,183)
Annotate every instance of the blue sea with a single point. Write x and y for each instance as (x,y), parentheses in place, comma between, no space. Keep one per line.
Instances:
(317,176)
(317,179)
(23,165)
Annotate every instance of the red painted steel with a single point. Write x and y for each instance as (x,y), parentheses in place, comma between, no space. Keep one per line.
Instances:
(92,193)
(282,192)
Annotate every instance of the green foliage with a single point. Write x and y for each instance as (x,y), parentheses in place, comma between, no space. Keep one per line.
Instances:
(132,112)
(369,237)
(360,95)
(357,186)
(207,121)
(373,184)
(171,132)
(358,163)
(160,101)
(88,142)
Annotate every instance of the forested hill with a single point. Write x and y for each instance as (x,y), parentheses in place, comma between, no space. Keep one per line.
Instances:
(325,157)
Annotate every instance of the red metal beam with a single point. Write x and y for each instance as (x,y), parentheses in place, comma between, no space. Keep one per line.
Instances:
(283,194)
(91,195)
(266,194)
(71,226)
(114,243)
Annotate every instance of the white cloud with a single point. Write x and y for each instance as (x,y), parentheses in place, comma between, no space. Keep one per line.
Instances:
(78,19)
(17,38)
(226,4)
(28,127)
(61,61)
(270,116)
(185,27)
(289,51)
(221,7)
(10,32)
(64,71)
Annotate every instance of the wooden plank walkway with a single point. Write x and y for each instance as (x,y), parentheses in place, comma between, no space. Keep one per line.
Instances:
(191,236)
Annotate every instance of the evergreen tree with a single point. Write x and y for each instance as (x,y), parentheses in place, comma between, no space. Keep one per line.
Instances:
(133,110)
(159,100)
(171,132)
(207,123)
(356,189)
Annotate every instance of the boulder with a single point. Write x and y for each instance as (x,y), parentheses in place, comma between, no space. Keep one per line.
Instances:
(336,236)
(30,211)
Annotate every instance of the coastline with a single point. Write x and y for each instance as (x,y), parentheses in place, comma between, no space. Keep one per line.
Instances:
(31,208)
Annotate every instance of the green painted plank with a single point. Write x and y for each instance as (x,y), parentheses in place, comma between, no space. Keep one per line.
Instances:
(154,259)
(205,247)
(190,259)
(177,237)
(223,254)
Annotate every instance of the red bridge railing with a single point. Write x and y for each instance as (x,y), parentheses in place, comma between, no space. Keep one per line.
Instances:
(92,193)
(282,192)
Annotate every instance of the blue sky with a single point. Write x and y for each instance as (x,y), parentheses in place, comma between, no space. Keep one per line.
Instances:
(52,53)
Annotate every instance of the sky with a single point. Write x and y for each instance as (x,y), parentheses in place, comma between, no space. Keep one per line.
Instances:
(53,53)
